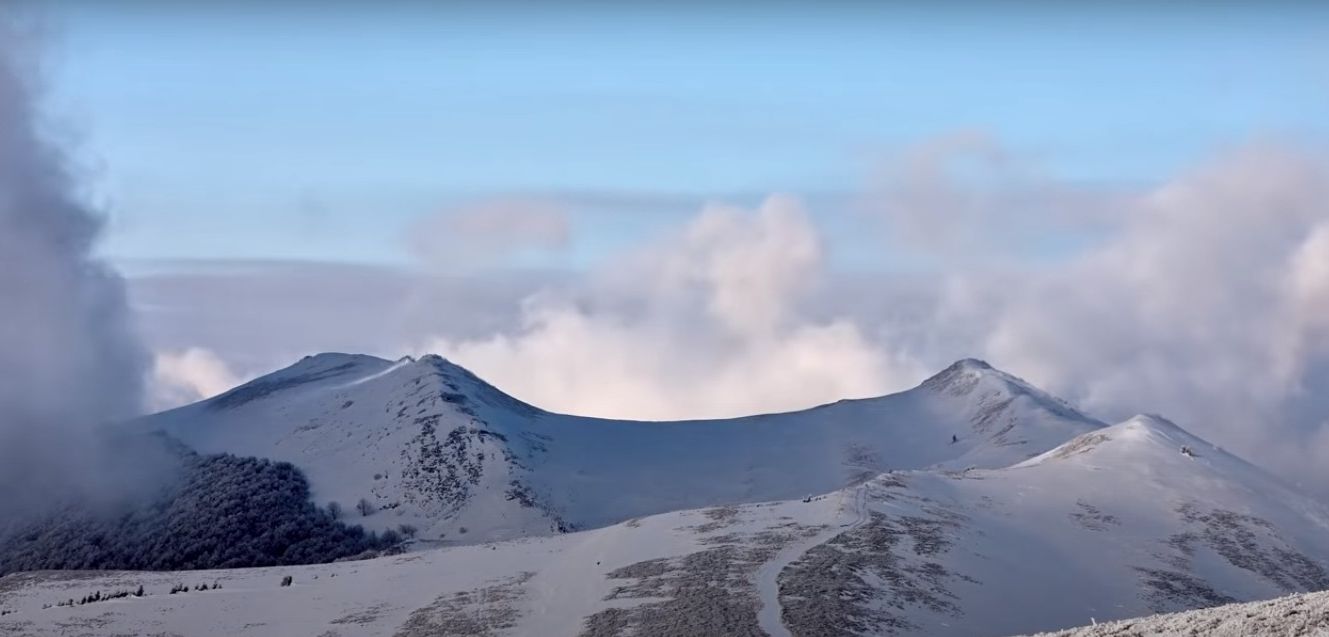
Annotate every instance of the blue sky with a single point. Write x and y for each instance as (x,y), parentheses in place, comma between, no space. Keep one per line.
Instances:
(307,132)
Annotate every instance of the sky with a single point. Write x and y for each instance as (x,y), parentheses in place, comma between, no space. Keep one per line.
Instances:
(702,210)
(280,131)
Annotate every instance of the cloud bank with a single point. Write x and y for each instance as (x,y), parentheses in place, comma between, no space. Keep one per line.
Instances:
(488,232)
(1204,297)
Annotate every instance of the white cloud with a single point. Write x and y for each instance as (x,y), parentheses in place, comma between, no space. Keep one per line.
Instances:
(189,375)
(703,324)
(1207,304)
(1308,288)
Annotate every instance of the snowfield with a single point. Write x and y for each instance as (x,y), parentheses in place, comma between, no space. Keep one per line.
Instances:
(856,518)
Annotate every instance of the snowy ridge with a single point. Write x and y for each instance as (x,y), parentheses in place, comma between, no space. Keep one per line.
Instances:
(429,444)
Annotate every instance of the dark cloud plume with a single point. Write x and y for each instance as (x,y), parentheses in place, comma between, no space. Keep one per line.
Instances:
(68,355)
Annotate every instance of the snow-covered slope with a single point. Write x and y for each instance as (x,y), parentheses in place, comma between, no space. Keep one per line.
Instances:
(428,443)
(1115,523)
(1305,615)
(1035,518)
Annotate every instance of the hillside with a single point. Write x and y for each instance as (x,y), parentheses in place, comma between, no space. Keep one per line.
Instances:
(207,512)
(1114,523)
(429,444)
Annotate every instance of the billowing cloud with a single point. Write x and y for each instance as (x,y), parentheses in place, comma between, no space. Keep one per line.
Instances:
(186,376)
(70,360)
(1207,304)
(1203,297)
(703,323)
(487,232)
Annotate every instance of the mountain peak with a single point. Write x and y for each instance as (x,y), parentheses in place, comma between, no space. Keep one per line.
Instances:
(963,374)
(1159,432)
(1143,437)
(1153,421)
(311,370)
(972,363)
(326,360)
(969,376)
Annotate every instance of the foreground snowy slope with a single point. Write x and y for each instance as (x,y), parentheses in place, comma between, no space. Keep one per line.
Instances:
(1115,523)
(427,443)
(692,570)
(1305,615)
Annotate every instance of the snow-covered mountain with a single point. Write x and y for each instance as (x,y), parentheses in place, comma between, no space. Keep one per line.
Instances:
(428,443)
(1035,517)
(1116,522)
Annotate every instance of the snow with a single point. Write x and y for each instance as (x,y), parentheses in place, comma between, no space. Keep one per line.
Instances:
(1111,525)
(378,597)
(521,471)
(1304,615)
(1038,519)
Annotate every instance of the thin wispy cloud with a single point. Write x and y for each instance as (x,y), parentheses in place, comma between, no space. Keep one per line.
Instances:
(489,232)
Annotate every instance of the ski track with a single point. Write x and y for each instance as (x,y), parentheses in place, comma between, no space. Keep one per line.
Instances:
(571,589)
(769,617)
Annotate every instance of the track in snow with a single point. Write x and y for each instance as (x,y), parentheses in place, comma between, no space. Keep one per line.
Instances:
(768,576)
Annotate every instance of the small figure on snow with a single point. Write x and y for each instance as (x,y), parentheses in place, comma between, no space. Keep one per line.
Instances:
(954,439)
(1186,451)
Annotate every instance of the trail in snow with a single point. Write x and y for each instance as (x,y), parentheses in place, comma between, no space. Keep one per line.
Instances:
(768,585)
(571,588)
